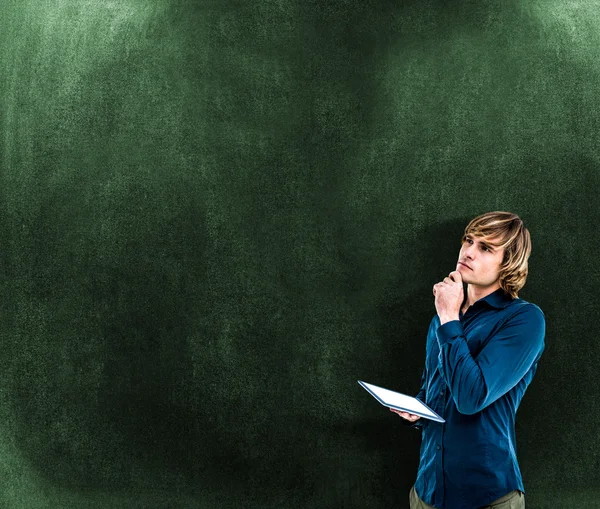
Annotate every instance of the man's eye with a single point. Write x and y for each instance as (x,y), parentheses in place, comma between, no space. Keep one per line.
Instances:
(484,247)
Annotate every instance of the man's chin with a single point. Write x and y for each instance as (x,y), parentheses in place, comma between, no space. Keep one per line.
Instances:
(465,277)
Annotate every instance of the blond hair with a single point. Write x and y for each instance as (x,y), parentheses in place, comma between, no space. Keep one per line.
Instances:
(508,232)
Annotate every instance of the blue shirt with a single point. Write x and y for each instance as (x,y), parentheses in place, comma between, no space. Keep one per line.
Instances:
(476,371)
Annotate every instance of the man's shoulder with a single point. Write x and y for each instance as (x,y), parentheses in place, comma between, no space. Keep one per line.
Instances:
(526,315)
(519,306)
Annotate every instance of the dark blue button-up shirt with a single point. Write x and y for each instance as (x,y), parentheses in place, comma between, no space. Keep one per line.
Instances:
(476,371)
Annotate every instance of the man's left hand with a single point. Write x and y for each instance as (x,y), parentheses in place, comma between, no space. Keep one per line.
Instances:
(449,297)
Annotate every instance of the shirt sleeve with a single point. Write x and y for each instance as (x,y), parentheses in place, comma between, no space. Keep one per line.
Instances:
(500,365)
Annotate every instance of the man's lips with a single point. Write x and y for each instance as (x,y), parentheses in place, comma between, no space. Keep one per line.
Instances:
(465,265)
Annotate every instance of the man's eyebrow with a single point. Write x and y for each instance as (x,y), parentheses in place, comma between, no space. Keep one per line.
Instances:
(489,246)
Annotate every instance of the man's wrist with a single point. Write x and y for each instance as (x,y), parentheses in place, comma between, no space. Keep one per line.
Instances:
(448,318)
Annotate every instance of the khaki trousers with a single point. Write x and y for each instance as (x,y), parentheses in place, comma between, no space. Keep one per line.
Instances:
(513,500)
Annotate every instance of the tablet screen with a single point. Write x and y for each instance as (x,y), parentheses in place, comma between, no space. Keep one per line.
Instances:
(400,401)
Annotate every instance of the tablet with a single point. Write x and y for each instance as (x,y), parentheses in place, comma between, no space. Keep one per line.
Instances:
(399,401)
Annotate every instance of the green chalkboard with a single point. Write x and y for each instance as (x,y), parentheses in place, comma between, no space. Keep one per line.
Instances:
(217,216)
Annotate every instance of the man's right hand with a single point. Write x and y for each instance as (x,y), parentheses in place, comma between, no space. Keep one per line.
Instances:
(406,415)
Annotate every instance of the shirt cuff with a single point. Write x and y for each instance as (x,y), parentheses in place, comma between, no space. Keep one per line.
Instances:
(449,331)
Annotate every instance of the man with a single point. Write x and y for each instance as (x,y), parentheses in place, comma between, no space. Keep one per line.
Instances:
(482,352)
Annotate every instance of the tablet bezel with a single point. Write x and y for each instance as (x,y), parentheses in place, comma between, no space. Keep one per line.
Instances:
(437,418)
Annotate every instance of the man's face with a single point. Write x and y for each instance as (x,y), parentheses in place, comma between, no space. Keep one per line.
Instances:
(483,259)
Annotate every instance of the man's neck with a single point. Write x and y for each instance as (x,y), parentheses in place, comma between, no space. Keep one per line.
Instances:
(475,293)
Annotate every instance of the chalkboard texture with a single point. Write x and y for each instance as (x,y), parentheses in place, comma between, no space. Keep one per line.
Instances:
(217,216)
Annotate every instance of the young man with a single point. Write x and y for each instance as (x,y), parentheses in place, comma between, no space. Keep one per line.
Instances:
(482,352)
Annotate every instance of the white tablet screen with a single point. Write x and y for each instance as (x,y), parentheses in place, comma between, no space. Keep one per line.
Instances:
(397,399)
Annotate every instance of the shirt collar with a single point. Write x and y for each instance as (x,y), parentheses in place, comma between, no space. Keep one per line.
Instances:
(498,299)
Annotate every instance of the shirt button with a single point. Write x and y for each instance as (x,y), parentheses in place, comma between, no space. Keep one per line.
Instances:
(442,393)
(438,447)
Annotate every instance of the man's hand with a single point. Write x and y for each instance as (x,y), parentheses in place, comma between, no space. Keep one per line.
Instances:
(449,297)
(406,415)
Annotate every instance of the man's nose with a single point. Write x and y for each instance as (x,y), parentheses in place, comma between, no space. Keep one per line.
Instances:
(469,251)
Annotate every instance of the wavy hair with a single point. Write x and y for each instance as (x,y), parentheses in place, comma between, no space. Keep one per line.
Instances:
(508,232)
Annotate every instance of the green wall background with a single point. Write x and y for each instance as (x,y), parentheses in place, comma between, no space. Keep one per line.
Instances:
(217,216)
